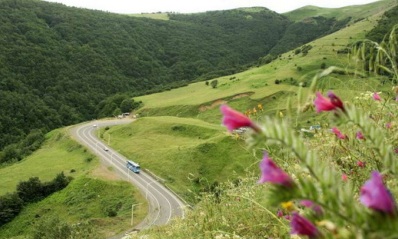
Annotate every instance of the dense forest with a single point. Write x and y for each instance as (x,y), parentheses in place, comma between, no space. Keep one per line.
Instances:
(61,65)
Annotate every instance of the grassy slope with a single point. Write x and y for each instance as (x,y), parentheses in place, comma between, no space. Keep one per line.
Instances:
(229,216)
(242,91)
(58,154)
(180,149)
(356,11)
(87,198)
(157,16)
(84,200)
(259,81)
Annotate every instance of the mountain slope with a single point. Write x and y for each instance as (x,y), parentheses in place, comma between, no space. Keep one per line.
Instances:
(355,12)
(58,63)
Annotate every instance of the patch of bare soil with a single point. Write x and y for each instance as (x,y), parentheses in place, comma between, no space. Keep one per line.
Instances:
(241,96)
(105,173)
(220,101)
(214,104)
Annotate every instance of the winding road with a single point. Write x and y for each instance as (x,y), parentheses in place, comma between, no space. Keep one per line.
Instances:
(163,204)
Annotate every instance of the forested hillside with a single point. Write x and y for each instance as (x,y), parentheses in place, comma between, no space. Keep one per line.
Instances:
(389,19)
(62,65)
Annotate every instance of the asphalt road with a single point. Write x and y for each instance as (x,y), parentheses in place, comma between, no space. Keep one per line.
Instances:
(163,204)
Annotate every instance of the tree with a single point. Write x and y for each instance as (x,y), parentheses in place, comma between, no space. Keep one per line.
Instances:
(126,105)
(214,83)
(10,206)
(31,190)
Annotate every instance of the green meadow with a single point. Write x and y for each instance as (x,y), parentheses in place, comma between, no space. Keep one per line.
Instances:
(59,154)
(96,197)
(179,137)
(178,134)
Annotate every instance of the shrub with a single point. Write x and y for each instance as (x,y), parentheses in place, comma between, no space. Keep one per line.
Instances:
(214,83)
(10,206)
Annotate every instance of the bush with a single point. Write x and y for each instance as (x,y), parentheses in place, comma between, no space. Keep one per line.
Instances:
(214,83)
(31,190)
(10,206)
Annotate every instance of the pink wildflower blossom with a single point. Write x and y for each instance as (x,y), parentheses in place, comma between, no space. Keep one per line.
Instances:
(271,173)
(323,104)
(338,134)
(310,204)
(302,226)
(344,177)
(360,136)
(376,96)
(361,164)
(279,213)
(388,125)
(233,119)
(376,196)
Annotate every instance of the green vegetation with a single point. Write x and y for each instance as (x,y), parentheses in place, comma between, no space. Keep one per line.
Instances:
(88,205)
(101,208)
(190,155)
(58,154)
(57,64)
(27,192)
(178,134)
(384,26)
(339,183)
(355,13)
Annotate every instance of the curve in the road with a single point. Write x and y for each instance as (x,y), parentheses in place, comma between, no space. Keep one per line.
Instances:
(163,204)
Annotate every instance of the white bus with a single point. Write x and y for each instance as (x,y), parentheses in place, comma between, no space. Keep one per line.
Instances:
(135,167)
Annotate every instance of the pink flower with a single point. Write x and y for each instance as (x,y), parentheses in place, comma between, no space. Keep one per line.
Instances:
(344,177)
(338,134)
(376,96)
(388,125)
(279,213)
(361,164)
(233,119)
(323,104)
(376,196)
(302,226)
(271,173)
(360,135)
(310,204)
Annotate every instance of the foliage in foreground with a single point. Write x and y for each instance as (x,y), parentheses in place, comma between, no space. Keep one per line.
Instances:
(339,184)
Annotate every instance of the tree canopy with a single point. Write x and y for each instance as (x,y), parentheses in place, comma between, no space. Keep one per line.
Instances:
(58,63)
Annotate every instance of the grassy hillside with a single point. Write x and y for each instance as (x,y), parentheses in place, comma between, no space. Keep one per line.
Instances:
(191,155)
(90,199)
(77,58)
(259,82)
(242,91)
(179,137)
(58,154)
(97,208)
(356,12)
